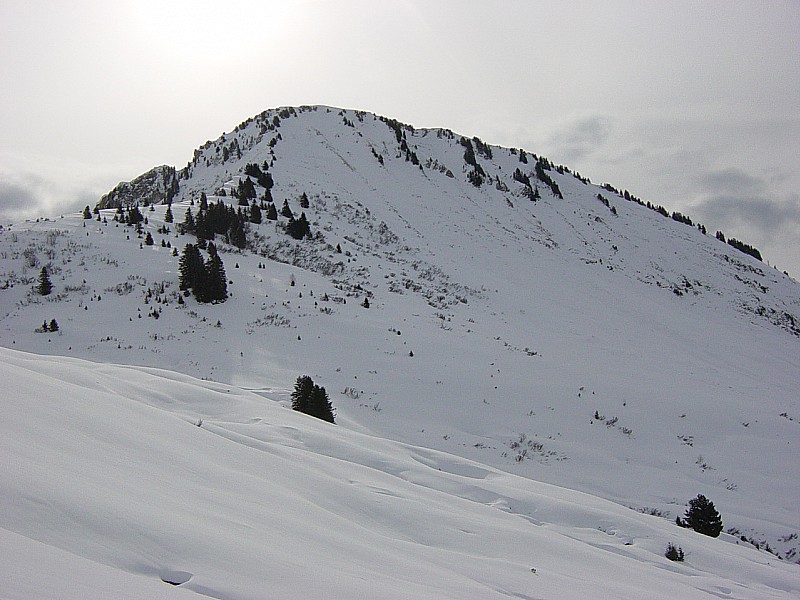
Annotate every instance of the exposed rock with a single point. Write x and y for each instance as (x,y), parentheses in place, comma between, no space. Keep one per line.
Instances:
(158,185)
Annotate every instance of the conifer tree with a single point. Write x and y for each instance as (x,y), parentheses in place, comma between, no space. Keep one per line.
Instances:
(168,218)
(286,211)
(237,235)
(45,285)
(203,201)
(190,266)
(203,226)
(301,395)
(148,240)
(298,228)
(702,517)
(53,325)
(188,225)
(134,216)
(216,279)
(255,213)
(320,404)
(272,212)
(673,553)
(246,189)
(87,213)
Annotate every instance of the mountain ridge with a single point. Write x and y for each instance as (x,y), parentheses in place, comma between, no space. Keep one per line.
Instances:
(267,125)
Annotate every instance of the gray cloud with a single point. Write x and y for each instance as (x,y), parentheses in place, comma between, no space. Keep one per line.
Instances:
(28,195)
(733,197)
(731,181)
(763,215)
(582,137)
(15,198)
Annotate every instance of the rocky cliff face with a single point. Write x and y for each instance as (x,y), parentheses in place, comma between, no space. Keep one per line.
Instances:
(157,186)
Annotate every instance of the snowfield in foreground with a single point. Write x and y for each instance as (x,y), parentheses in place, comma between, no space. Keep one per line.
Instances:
(116,479)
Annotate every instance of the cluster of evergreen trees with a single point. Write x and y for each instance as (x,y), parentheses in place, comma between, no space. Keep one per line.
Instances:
(740,246)
(677,216)
(477,174)
(673,553)
(312,399)
(542,166)
(218,218)
(700,516)
(531,191)
(681,218)
(483,148)
(746,248)
(263,177)
(215,219)
(51,326)
(205,278)
(246,190)
(298,228)
(133,217)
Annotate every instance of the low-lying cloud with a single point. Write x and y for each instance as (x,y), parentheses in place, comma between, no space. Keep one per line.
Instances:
(759,213)
(29,196)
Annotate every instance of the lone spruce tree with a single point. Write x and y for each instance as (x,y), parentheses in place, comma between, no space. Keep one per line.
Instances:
(45,285)
(702,517)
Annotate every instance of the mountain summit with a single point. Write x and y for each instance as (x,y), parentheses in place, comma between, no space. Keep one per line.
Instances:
(457,299)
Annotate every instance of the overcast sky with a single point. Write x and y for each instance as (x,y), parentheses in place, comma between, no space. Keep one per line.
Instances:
(692,105)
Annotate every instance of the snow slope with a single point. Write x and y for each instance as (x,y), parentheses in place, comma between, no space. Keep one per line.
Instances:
(111,485)
(615,352)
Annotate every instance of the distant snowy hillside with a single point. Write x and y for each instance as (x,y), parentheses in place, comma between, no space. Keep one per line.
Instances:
(453,296)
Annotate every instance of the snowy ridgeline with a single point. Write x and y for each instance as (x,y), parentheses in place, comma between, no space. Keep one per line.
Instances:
(578,338)
(119,479)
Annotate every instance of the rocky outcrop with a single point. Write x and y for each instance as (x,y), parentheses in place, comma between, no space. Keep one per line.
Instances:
(157,186)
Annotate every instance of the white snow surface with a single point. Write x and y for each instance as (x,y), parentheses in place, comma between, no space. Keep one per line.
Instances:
(140,449)
(109,485)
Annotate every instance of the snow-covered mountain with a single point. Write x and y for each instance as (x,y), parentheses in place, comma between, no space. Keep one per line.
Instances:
(488,325)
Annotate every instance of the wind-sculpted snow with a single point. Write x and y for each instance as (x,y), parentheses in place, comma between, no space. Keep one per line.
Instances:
(129,482)
(585,341)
